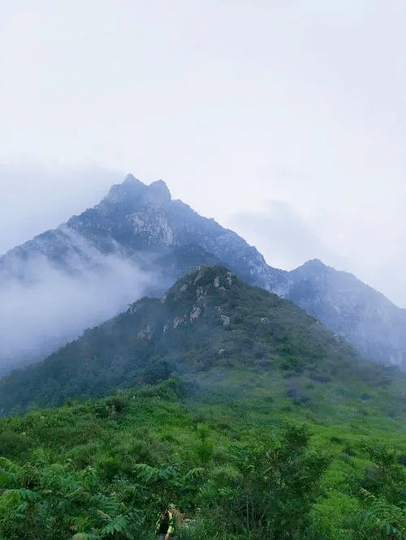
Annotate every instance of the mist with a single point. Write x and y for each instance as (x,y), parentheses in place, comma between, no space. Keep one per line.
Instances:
(373,250)
(47,306)
(282,236)
(36,197)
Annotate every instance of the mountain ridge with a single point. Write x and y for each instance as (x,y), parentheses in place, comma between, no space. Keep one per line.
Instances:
(141,227)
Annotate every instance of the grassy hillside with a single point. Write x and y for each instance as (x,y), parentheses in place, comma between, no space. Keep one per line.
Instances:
(241,462)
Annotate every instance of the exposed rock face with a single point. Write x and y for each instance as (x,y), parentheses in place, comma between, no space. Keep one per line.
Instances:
(143,226)
(225,319)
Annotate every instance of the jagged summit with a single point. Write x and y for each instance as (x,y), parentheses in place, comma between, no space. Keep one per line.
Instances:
(138,217)
(130,179)
(314,263)
(314,266)
(157,193)
(132,190)
(205,280)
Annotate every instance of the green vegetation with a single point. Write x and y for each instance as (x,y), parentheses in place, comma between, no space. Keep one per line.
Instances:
(103,468)
(208,319)
(230,403)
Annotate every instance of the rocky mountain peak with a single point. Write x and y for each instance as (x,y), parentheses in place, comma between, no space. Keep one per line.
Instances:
(134,192)
(130,189)
(314,263)
(157,193)
(130,179)
(314,267)
(141,224)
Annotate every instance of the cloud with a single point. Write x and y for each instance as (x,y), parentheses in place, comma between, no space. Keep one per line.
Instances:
(49,306)
(281,235)
(340,234)
(36,197)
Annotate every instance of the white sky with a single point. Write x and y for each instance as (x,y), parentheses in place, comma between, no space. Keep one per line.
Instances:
(282,119)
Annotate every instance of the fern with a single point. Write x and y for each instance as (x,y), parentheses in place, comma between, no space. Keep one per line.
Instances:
(7,478)
(379,520)
(146,472)
(197,472)
(117,524)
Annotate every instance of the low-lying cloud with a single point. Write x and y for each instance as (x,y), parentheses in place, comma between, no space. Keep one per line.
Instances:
(49,306)
(35,197)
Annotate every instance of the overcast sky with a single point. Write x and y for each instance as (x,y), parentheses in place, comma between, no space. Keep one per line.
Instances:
(282,119)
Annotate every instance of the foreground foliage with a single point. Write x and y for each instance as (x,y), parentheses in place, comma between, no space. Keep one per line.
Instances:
(103,469)
(244,412)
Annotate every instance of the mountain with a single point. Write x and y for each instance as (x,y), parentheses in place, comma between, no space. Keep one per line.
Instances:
(208,320)
(135,242)
(368,320)
(138,241)
(138,218)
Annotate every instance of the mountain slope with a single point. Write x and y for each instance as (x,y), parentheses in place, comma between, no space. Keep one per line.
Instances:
(209,319)
(137,241)
(367,319)
(144,218)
